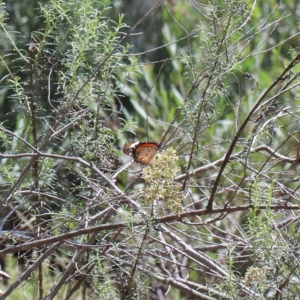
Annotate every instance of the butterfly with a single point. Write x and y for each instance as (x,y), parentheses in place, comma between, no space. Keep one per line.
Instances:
(142,152)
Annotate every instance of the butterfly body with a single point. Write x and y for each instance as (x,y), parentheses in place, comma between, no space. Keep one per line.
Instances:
(142,152)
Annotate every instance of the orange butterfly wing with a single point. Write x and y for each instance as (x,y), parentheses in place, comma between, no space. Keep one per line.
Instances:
(142,152)
(145,153)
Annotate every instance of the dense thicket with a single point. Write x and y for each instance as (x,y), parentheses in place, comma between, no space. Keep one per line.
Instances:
(215,216)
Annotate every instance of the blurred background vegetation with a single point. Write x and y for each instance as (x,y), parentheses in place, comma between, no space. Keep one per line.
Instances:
(80,78)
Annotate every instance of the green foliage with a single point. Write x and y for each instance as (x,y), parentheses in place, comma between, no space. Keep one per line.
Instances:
(215,84)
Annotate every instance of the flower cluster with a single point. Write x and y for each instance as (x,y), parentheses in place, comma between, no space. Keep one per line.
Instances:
(254,276)
(160,185)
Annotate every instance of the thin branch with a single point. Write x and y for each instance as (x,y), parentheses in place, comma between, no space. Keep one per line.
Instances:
(242,127)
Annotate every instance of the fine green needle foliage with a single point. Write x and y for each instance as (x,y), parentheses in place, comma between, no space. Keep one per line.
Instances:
(211,210)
